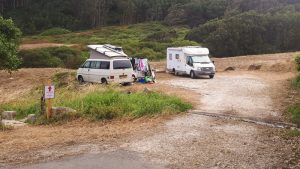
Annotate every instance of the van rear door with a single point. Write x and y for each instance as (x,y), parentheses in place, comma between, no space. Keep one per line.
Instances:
(122,71)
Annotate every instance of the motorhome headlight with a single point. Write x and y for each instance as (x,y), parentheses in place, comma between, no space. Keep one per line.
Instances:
(199,68)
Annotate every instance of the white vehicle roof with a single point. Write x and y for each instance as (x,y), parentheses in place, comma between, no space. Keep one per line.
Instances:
(108,50)
(106,59)
(191,50)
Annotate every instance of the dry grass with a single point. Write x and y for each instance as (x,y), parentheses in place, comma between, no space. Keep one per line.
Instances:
(24,145)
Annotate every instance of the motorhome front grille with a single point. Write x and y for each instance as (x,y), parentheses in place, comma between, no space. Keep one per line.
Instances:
(207,69)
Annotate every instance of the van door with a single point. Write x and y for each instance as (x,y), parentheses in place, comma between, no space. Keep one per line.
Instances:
(105,70)
(189,65)
(95,73)
(122,71)
(85,71)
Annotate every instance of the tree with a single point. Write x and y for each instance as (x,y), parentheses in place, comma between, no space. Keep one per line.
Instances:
(9,42)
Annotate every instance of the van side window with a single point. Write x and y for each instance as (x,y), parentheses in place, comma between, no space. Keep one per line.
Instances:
(170,56)
(122,64)
(87,64)
(93,65)
(105,65)
(177,56)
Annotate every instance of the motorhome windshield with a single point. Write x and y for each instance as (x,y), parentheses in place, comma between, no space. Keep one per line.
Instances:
(201,59)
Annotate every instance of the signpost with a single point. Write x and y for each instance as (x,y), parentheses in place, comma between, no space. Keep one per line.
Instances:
(49,94)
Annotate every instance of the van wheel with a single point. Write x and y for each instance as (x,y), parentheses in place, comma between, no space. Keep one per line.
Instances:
(211,76)
(80,79)
(103,81)
(192,74)
(176,73)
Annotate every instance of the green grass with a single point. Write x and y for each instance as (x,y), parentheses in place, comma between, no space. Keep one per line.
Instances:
(293,133)
(112,104)
(296,82)
(100,103)
(294,113)
(55,31)
(148,40)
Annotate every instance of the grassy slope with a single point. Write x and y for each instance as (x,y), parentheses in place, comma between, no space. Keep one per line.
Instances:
(134,38)
(97,102)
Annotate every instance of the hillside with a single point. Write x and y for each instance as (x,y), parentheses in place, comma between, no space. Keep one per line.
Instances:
(149,40)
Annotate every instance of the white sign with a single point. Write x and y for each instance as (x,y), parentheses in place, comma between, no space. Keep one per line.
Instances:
(49,92)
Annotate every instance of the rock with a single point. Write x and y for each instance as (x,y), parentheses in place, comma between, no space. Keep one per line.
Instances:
(62,110)
(255,67)
(231,68)
(147,90)
(9,115)
(12,123)
(31,118)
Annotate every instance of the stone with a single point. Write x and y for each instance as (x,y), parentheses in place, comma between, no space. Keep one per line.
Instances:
(147,90)
(255,67)
(31,118)
(61,110)
(12,123)
(9,115)
(231,68)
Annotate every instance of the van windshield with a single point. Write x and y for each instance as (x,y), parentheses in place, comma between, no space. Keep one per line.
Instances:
(200,59)
(122,64)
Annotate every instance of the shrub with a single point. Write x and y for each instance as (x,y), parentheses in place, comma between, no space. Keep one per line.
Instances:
(162,36)
(52,57)
(55,31)
(39,58)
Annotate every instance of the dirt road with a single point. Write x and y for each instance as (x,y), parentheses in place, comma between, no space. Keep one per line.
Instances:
(186,141)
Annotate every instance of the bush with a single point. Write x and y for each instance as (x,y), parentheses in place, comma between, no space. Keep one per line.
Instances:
(55,31)
(162,36)
(52,57)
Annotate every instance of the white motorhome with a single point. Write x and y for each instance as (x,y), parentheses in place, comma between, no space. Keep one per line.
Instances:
(107,64)
(190,60)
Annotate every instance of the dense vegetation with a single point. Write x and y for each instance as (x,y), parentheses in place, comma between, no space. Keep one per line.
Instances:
(250,33)
(227,27)
(143,40)
(52,57)
(9,42)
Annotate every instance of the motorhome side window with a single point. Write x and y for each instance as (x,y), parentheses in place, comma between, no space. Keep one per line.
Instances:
(177,56)
(86,64)
(105,65)
(122,64)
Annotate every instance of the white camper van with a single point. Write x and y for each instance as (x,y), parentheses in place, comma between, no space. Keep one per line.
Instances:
(190,60)
(107,64)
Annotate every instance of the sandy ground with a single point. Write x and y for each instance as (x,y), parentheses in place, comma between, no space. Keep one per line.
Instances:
(185,141)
